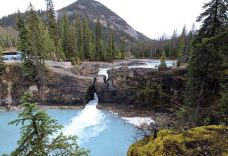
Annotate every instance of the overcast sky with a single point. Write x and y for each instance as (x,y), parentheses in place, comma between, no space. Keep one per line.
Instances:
(150,17)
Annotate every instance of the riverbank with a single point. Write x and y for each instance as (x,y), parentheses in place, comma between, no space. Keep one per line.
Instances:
(126,79)
(17,108)
(140,117)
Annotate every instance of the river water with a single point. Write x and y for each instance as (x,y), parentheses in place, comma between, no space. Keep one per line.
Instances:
(101,132)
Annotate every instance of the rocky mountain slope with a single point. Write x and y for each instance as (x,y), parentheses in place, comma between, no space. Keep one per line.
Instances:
(91,10)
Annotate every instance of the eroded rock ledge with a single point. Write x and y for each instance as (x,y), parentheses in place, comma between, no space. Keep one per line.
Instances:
(60,89)
(75,86)
(125,83)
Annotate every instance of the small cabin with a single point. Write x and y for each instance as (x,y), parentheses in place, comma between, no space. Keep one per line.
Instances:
(11,55)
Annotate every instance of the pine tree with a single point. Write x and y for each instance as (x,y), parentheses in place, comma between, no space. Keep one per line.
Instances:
(181,45)
(2,66)
(189,41)
(173,49)
(65,36)
(74,55)
(69,40)
(99,51)
(221,42)
(109,53)
(36,48)
(22,42)
(38,38)
(113,48)
(60,54)
(86,40)
(39,133)
(52,28)
(1,48)
(51,20)
(214,18)
(24,46)
(34,35)
(123,49)
(92,48)
(48,44)
(205,65)
(80,37)
(162,60)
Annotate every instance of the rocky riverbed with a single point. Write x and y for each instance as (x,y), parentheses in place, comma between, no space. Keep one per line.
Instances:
(72,88)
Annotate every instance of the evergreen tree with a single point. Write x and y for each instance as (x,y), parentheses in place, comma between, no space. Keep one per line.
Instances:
(37,48)
(205,65)
(52,25)
(39,133)
(1,48)
(109,53)
(65,36)
(99,51)
(189,41)
(92,48)
(222,108)
(2,66)
(8,37)
(80,37)
(86,40)
(22,42)
(74,55)
(173,47)
(51,21)
(69,41)
(162,60)
(123,49)
(48,44)
(214,18)
(60,54)
(181,45)
(35,35)
(113,48)
(24,46)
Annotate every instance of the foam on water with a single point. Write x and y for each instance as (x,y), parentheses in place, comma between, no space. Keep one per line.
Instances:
(153,64)
(88,124)
(104,71)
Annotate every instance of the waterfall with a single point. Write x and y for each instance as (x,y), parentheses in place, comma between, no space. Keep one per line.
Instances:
(104,71)
(88,124)
(90,121)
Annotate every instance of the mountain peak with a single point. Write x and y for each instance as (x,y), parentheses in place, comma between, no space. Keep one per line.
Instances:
(86,3)
(93,10)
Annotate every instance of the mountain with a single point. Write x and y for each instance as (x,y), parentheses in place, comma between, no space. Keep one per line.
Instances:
(93,10)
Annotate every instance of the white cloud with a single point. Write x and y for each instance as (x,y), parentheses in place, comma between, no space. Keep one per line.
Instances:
(151,17)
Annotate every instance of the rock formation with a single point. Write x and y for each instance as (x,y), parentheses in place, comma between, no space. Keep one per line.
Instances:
(207,140)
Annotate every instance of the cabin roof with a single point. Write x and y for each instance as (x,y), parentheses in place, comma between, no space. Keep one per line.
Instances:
(10,52)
